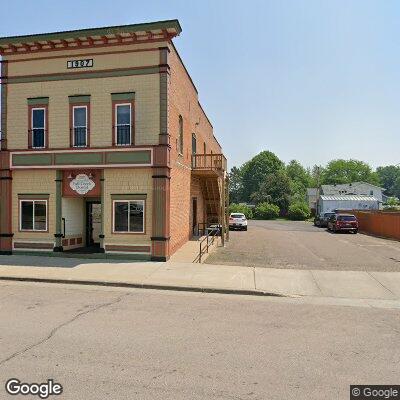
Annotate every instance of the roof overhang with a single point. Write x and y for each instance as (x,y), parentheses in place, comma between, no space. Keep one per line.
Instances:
(123,34)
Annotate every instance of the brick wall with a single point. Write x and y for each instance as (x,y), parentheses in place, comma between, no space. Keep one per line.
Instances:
(183,100)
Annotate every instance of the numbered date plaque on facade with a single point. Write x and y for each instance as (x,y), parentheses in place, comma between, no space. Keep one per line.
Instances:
(80,63)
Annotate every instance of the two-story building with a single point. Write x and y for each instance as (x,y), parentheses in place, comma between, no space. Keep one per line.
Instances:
(105,146)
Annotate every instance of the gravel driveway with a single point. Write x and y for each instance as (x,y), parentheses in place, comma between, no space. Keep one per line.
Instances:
(300,245)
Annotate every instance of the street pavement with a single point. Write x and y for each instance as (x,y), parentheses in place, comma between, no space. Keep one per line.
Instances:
(113,343)
(300,245)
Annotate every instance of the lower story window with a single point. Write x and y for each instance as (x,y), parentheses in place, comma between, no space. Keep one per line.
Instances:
(129,216)
(33,215)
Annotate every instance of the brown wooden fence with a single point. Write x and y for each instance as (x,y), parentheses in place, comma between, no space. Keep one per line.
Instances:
(379,223)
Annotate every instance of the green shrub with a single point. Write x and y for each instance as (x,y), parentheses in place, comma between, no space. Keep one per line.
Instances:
(299,211)
(241,208)
(266,211)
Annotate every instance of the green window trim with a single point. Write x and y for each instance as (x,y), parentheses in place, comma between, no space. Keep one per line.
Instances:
(142,196)
(79,99)
(38,101)
(31,159)
(35,196)
(129,96)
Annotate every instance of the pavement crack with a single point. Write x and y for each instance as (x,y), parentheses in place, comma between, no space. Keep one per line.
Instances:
(380,283)
(316,282)
(57,328)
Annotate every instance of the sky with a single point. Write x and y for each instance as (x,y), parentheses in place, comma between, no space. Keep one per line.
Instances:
(311,80)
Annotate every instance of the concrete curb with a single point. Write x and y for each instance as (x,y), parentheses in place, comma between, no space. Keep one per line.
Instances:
(244,292)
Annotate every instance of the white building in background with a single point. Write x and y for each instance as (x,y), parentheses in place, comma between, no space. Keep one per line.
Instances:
(312,197)
(355,189)
(333,203)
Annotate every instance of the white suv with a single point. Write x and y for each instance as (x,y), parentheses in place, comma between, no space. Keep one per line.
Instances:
(238,221)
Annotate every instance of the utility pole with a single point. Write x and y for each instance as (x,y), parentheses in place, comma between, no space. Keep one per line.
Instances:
(318,190)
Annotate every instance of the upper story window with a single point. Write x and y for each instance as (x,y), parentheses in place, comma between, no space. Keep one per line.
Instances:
(180,141)
(123,124)
(123,112)
(79,117)
(38,128)
(80,125)
(38,122)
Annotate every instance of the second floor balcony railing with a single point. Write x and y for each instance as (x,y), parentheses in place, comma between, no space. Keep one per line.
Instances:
(123,135)
(80,136)
(209,162)
(37,138)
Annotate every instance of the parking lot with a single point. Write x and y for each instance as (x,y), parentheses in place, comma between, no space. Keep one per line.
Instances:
(300,245)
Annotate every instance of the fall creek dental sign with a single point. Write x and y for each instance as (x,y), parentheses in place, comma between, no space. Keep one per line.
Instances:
(81,183)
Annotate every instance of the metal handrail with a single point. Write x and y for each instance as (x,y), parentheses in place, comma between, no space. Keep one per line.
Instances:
(206,242)
(201,228)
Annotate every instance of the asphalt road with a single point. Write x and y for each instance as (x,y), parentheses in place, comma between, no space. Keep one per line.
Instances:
(104,343)
(300,245)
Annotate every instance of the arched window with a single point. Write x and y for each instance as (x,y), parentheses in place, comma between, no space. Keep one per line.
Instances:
(180,134)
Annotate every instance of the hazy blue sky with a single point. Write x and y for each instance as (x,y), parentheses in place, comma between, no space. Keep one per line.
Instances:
(310,80)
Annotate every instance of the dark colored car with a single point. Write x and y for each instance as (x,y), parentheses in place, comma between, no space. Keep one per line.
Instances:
(321,220)
(343,222)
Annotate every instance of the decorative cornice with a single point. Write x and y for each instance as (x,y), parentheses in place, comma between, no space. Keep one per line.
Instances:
(122,34)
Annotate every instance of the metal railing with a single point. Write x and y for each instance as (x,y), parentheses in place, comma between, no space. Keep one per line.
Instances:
(80,136)
(123,135)
(37,138)
(214,162)
(206,242)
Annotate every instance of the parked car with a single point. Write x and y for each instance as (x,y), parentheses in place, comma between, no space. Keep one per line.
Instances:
(321,220)
(238,221)
(343,222)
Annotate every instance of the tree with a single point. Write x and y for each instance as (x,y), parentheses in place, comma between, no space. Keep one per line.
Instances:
(297,173)
(255,171)
(275,189)
(388,176)
(236,185)
(299,211)
(347,171)
(266,211)
(300,180)
(316,176)
(396,187)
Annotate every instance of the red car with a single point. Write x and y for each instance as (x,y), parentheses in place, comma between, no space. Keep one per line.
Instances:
(343,222)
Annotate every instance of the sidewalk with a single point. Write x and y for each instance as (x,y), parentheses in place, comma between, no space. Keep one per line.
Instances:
(205,277)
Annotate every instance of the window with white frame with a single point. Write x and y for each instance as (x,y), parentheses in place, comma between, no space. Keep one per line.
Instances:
(129,216)
(79,120)
(33,215)
(38,127)
(123,124)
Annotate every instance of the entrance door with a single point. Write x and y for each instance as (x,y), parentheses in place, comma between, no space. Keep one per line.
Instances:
(194,216)
(93,223)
